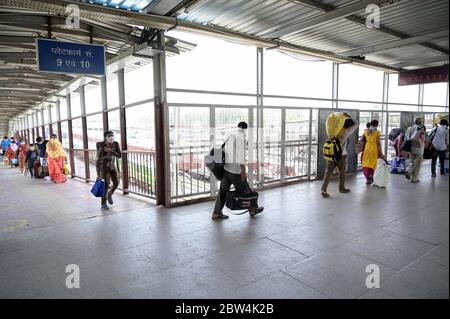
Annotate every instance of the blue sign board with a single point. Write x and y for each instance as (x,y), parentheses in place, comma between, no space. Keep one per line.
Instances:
(69,57)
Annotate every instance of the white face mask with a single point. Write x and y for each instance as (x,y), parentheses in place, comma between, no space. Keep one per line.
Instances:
(110,139)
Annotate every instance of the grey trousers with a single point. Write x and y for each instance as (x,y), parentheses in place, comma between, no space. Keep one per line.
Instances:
(414,166)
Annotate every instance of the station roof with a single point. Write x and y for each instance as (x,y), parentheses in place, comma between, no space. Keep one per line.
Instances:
(412,33)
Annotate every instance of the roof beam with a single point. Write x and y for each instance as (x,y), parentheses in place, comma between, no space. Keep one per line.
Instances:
(30,84)
(421,61)
(370,49)
(330,16)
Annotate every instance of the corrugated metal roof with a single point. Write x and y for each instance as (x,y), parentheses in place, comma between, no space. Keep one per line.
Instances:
(133,5)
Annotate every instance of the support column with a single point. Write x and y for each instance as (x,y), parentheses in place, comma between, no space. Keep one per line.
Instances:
(70,132)
(385,109)
(420,98)
(259,113)
(283,145)
(335,86)
(212,144)
(104,103)
(85,134)
(58,119)
(50,121)
(123,129)
(43,124)
(161,125)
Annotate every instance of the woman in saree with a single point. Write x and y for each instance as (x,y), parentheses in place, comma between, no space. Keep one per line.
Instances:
(11,152)
(23,149)
(56,159)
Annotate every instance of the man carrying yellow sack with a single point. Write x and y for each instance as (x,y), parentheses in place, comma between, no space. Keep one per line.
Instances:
(339,128)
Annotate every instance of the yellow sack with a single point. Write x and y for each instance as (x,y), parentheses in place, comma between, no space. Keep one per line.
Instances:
(335,124)
(66,169)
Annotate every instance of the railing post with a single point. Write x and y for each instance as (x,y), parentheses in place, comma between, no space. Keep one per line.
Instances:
(70,132)
(310,144)
(123,128)
(85,134)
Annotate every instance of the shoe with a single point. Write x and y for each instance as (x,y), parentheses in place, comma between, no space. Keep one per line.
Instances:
(433,175)
(325,194)
(105,207)
(407,175)
(219,217)
(344,190)
(368,182)
(110,200)
(256,211)
(415,181)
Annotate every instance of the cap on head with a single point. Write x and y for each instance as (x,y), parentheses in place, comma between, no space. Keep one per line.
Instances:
(243,125)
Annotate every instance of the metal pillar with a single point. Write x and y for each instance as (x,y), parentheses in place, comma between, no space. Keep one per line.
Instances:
(259,112)
(283,145)
(212,144)
(104,103)
(58,119)
(385,108)
(335,86)
(50,126)
(85,134)
(70,132)
(161,125)
(446,100)
(420,98)
(123,129)
(43,124)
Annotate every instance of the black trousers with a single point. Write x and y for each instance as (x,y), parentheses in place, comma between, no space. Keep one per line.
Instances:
(109,175)
(441,156)
(229,179)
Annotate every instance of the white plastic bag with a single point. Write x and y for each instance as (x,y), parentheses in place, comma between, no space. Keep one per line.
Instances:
(381,175)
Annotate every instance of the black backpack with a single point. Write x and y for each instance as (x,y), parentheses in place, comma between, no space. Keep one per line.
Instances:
(394,133)
(215,161)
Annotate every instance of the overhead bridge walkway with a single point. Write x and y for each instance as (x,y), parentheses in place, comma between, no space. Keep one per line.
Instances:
(302,246)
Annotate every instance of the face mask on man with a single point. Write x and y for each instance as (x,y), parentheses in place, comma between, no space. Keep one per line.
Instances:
(110,139)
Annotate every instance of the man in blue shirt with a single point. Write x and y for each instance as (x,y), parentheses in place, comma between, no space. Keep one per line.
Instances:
(4,145)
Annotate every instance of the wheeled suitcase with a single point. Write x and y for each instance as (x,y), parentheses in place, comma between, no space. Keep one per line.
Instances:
(36,170)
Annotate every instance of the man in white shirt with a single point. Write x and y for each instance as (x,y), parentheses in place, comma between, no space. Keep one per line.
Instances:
(440,144)
(234,173)
(350,126)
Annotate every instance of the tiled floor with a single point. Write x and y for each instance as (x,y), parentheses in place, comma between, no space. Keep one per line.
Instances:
(302,246)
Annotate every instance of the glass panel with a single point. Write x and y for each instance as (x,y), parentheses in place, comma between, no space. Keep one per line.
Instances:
(297,143)
(78,148)
(350,88)
(189,142)
(114,124)
(435,94)
(112,92)
(94,130)
(46,119)
(402,94)
(93,96)
(296,75)
(75,104)
(63,108)
(65,134)
(54,117)
(213,65)
(272,145)
(139,84)
(140,127)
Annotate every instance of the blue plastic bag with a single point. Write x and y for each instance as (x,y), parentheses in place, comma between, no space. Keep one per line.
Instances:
(99,188)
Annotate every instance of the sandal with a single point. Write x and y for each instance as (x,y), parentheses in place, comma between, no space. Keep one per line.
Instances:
(325,194)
